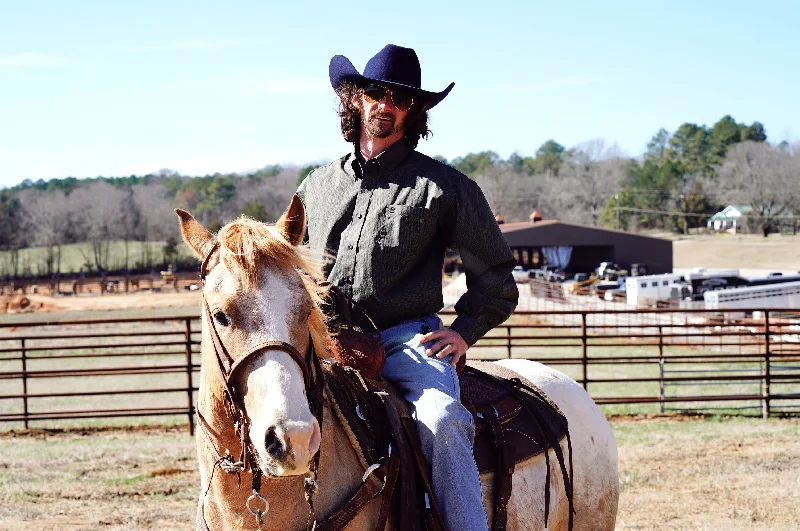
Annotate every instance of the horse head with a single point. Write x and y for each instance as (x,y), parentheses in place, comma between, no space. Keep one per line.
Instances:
(261,302)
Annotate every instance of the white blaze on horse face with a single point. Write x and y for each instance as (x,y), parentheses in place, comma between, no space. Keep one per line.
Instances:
(283,430)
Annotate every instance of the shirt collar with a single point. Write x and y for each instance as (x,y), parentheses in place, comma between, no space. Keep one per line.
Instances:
(386,161)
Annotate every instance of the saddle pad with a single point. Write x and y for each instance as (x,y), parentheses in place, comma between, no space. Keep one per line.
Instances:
(348,397)
(524,435)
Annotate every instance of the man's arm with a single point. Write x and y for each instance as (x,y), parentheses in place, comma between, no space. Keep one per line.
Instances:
(301,193)
(492,293)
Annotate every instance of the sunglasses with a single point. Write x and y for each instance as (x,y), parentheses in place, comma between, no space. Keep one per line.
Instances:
(401,99)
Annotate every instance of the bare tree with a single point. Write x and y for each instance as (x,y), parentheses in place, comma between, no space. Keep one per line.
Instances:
(12,236)
(47,222)
(100,204)
(762,177)
(156,220)
(512,195)
(272,192)
(585,184)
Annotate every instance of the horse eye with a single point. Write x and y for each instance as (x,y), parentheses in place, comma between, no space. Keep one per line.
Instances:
(221,318)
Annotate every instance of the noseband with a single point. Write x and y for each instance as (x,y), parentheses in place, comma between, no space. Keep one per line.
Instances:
(228,368)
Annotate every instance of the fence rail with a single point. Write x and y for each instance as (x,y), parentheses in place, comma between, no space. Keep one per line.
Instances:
(695,360)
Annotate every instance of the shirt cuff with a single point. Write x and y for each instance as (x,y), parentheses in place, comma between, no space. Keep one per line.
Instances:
(467,327)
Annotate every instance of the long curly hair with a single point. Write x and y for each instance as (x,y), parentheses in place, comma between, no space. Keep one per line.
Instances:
(416,124)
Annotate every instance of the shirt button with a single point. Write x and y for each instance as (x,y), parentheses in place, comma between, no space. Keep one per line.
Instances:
(360,216)
(350,247)
(391,210)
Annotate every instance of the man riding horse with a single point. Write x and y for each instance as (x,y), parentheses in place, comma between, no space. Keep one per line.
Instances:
(385,214)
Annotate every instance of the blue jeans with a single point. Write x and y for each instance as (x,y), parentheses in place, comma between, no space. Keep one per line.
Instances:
(445,426)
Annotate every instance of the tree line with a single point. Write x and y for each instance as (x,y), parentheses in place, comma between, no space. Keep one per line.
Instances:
(106,218)
(681,179)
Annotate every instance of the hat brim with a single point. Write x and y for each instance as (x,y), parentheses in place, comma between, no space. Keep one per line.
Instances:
(341,70)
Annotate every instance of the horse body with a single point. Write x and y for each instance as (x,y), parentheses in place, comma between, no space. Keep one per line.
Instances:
(594,453)
(254,295)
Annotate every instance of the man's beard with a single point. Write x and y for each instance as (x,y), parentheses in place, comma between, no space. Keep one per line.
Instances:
(380,128)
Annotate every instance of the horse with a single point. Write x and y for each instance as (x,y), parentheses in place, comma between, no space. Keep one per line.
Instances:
(262,307)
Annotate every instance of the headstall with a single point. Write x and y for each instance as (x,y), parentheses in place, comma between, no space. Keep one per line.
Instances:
(228,367)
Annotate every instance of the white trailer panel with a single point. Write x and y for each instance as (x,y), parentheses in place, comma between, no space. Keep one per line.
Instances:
(645,290)
(785,295)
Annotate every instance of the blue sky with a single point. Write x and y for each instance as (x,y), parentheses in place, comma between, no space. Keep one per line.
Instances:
(92,88)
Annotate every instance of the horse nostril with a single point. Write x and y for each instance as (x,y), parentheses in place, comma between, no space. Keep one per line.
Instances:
(273,444)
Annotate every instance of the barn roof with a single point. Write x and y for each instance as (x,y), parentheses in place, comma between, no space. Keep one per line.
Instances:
(554,225)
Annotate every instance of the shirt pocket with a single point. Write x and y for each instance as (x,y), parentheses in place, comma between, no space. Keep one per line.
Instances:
(405,227)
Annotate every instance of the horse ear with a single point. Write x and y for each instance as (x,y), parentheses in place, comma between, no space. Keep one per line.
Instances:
(194,234)
(293,222)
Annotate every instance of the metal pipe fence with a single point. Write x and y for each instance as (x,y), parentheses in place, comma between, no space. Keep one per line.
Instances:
(56,373)
(98,368)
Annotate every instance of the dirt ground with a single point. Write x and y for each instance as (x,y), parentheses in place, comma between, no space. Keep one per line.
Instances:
(116,301)
(675,473)
(144,304)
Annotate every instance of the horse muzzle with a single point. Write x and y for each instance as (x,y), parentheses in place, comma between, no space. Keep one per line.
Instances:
(288,447)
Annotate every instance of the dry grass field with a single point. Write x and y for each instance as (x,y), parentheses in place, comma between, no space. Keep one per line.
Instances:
(718,474)
(675,473)
(740,251)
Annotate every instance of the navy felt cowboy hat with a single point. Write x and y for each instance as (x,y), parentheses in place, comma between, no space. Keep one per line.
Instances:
(394,66)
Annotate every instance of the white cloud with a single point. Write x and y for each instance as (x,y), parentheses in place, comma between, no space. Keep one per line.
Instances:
(29,59)
(184,45)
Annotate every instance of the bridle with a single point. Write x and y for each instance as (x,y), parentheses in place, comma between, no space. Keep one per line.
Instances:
(228,369)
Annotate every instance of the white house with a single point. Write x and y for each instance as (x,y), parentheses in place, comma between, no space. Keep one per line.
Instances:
(729,219)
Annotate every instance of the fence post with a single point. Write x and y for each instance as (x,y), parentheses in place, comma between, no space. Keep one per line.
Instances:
(767,373)
(189,392)
(661,369)
(508,341)
(584,352)
(24,383)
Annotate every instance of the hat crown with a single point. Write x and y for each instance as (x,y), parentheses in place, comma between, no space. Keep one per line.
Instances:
(395,64)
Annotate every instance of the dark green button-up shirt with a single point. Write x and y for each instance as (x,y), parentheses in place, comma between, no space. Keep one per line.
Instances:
(385,225)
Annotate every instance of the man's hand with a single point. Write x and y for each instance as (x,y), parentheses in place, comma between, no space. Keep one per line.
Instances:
(448,343)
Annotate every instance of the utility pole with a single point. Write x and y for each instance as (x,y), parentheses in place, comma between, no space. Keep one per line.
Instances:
(616,196)
(685,218)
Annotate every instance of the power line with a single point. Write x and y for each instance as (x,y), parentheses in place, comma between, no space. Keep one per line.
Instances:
(666,212)
(669,191)
(679,213)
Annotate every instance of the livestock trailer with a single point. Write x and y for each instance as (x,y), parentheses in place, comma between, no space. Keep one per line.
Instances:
(785,295)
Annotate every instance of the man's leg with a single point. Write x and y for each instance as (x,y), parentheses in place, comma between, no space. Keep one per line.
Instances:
(445,427)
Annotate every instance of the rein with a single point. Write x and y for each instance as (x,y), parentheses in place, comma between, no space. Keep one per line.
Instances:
(228,367)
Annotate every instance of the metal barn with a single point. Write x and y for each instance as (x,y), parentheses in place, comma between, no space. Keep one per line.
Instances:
(580,249)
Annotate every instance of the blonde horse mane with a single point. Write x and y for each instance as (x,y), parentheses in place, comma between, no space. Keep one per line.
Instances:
(246,246)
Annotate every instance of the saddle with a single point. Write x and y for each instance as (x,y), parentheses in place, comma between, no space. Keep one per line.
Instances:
(514,421)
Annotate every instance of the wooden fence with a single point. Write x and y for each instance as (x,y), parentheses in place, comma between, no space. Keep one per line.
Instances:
(75,372)
(74,284)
